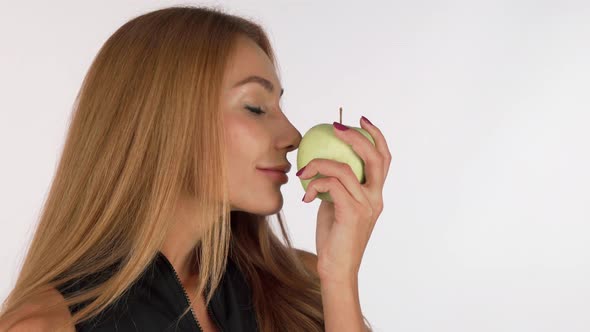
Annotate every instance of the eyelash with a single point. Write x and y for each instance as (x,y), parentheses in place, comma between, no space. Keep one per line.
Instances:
(255,110)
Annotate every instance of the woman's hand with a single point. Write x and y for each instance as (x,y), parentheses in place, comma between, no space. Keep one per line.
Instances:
(344,227)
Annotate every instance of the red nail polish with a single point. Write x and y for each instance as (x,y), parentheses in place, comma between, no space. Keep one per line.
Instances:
(339,126)
(300,171)
(369,122)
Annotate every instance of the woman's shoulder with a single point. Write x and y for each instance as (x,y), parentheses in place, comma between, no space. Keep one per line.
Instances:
(310,260)
(28,318)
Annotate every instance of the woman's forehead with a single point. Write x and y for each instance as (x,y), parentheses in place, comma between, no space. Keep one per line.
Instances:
(249,60)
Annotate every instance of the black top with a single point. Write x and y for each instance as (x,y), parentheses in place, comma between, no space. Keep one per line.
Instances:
(157,299)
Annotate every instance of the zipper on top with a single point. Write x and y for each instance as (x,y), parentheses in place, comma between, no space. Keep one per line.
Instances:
(212,315)
(188,301)
(209,311)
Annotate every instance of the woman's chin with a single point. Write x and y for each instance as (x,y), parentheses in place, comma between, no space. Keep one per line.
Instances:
(269,206)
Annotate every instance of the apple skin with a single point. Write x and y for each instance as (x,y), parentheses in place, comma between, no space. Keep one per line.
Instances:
(321,142)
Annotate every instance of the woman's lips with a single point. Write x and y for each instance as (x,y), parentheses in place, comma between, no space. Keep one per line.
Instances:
(275,175)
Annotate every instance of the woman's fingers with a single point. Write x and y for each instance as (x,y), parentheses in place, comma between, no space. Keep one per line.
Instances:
(362,146)
(380,144)
(341,172)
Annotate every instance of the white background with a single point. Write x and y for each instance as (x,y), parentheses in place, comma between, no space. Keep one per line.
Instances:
(485,106)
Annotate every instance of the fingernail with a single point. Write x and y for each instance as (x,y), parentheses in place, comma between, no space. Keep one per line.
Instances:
(303,199)
(369,122)
(339,126)
(300,171)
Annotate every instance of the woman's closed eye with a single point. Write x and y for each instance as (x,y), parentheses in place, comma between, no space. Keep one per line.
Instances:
(255,110)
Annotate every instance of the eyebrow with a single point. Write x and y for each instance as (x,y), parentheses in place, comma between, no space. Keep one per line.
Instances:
(260,80)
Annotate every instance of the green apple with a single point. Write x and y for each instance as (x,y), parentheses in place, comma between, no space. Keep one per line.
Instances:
(321,142)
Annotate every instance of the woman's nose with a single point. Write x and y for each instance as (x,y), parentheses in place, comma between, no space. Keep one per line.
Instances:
(291,136)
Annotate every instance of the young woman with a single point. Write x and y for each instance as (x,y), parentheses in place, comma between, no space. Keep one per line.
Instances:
(158,216)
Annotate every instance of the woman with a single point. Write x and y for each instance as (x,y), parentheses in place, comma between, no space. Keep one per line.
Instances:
(157,218)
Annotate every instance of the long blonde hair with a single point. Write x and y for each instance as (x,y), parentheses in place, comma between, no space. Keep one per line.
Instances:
(145,128)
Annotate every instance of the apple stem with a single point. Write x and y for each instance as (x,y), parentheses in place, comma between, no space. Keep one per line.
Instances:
(341,115)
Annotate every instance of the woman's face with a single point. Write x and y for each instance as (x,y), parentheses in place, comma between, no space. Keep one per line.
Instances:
(254,141)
